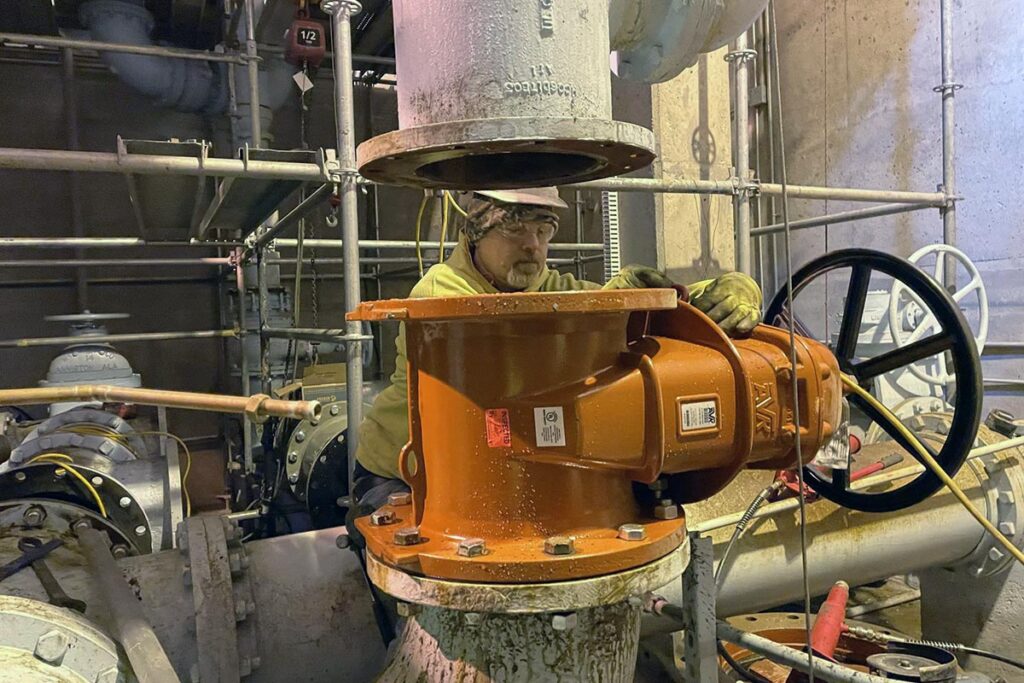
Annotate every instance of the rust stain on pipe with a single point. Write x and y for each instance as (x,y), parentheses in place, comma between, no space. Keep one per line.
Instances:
(258,406)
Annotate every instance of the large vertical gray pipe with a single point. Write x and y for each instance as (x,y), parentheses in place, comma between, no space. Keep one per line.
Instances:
(341,13)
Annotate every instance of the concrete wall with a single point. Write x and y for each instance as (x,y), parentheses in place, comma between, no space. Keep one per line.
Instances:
(859,111)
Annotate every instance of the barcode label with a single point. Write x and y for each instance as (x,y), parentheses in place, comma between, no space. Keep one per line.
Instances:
(549,425)
(698,415)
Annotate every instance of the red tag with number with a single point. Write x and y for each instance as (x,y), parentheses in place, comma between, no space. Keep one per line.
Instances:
(499,433)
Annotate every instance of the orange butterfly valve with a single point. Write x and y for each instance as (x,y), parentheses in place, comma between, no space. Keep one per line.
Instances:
(554,436)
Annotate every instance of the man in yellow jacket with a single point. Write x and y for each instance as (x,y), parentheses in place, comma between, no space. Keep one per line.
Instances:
(503,247)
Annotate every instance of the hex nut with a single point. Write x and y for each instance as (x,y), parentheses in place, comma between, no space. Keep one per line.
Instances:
(632,532)
(293,457)
(293,477)
(564,622)
(335,410)
(119,551)
(560,545)
(51,647)
(400,498)
(300,436)
(140,530)
(666,509)
(125,502)
(472,547)
(382,517)
(34,515)
(409,535)
(80,524)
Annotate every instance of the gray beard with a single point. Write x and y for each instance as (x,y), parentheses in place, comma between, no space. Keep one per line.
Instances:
(517,279)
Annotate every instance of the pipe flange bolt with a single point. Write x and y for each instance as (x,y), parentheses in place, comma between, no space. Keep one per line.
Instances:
(560,545)
(632,532)
(382,517)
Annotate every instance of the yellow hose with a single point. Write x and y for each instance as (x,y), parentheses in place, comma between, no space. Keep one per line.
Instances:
(935,467)
(56,460)
(419,222)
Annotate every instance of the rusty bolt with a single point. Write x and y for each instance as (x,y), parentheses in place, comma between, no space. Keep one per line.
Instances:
(382,517)
(560,545)
(632,532)
(473,618)
(666,509)
(472,547)
(402,498)
(51,647)
(34,515)
(407,609)
(564,622)
(409,535)
(119,550)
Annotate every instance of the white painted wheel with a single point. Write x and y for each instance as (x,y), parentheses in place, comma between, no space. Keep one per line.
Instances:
(923,323)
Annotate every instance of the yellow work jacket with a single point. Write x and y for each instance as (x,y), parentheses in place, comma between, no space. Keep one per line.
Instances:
(385,429)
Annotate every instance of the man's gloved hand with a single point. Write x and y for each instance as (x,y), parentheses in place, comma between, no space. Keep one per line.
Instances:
(732,300)
(639,277)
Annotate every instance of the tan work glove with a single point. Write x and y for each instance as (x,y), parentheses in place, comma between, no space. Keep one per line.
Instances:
(639,277)
(732,300)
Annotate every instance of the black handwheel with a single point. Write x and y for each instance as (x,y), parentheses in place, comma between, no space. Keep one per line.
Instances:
(955,338)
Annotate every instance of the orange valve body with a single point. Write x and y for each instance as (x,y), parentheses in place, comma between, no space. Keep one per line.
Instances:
(532,415)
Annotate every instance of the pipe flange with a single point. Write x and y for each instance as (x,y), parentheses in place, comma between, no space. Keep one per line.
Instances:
(222,595)
(529,598)
(44,642)
(62,441)
(503,153)
(1003,484)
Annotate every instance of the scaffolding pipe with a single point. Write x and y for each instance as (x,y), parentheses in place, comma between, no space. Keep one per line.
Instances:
(1003,349)
(383,260)
(98,46)
(840,217)
(255,122)
(937,199)
(676,185)
(117,338)
(348,190)
(156,164)
(948,89)
(114,263)
(301,210)
(101,243)
(411,244)
(258,406)
(741,59)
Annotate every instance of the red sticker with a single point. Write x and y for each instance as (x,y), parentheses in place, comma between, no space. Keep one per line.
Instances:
(499,434)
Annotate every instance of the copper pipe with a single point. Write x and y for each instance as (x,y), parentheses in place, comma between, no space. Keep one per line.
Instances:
(258,406)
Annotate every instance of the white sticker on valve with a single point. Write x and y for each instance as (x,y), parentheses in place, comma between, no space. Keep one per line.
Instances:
(550,426)
(698,415)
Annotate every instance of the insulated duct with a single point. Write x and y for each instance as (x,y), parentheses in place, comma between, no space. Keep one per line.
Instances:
(182,84)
